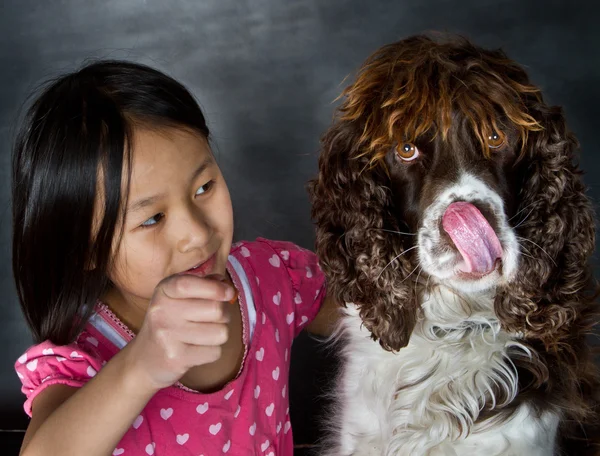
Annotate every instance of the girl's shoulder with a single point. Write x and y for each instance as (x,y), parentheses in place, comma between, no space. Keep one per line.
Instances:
(47,364)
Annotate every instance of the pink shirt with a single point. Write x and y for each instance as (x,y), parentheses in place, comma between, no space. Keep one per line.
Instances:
(281,288)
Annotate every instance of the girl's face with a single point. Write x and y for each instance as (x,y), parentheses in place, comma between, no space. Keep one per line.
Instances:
(178,216)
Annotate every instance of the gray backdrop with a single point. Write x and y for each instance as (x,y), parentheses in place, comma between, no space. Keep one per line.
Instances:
(266,73)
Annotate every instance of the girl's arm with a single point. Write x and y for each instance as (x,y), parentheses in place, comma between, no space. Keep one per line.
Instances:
(185,326)
(90,420)
(325,320)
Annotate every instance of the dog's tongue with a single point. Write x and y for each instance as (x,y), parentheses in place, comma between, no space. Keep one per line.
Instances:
(473,236)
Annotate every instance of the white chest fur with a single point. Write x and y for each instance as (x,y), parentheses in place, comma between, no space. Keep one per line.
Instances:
(425,399)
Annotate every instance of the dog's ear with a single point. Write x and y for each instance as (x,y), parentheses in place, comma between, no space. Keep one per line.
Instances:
(364,265)
(553,290)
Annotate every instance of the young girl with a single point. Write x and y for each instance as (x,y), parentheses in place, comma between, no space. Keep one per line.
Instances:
(127,277)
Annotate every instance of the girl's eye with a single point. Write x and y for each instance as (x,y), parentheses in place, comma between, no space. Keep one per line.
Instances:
(495,140)
(407,151)
(153,220)
(206,187)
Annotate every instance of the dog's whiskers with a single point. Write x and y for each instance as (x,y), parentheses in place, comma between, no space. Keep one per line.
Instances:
(427,283)
(522,209)
(417,281)
(528,256)
(411,273)
(539,247)
(523,221)
(528,251)
(395,232)
(395,258)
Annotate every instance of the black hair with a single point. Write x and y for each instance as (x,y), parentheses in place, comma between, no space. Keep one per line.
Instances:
(81,125)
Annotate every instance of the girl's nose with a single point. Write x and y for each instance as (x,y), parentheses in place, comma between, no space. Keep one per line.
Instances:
(193,232)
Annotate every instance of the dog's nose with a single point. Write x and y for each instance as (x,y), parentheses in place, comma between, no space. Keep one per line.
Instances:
(473,236)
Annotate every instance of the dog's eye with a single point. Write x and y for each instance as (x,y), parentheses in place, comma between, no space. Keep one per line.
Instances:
(407,151)
(495,140)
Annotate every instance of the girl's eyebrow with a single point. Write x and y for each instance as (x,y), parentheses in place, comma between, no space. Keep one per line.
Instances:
(149,201)
(145,202)
(205,164)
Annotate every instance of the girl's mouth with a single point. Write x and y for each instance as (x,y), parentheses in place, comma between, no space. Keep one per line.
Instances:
(204,268)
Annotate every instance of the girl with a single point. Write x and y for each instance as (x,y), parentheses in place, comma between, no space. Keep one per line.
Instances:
(126,274)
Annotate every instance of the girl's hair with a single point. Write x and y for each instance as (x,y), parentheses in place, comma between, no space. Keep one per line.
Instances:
(75,136)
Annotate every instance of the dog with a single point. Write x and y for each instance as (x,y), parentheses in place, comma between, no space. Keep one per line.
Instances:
(452,222)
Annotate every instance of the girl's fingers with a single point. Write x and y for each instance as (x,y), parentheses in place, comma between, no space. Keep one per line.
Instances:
(199,311)
(203,334)
(197,355)
(185,286)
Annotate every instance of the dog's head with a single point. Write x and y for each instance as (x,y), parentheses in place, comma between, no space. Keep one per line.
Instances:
(445,166)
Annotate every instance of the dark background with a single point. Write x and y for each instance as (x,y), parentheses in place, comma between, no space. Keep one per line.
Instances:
(266,73)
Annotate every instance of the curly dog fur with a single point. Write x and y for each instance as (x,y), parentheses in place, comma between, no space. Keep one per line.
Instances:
(449,95)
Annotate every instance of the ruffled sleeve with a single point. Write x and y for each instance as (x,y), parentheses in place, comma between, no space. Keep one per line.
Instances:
(48,364)
(290,280)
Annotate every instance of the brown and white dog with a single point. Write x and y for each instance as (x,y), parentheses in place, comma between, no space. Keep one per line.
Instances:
(453,222)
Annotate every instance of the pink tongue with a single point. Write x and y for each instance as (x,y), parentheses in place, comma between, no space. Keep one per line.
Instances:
(473,236)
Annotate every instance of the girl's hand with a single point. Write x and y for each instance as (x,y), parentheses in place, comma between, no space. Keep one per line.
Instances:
(185,326)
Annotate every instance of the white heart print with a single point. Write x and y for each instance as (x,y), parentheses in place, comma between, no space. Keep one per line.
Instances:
(277,298)
(270,453)
(214,428)
(264,318)
(91,371)
(256,391)
(264,445)
(23,358)
(227,446)
(286,427)
(150,448)
(275,261)
(252,429)
(260,354)
(277,335)
(298,298)
(237,412)
(278,427)
(245,252)
(31,365)
(275,373)
(283,391)
(289,318)
(181,439)
(74,354)
(118,451)
(308,272)
(304,319)
(47,351)
(165,414)
(285,255)
(269,409)
(138,422)
(202,408)
(228,395)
